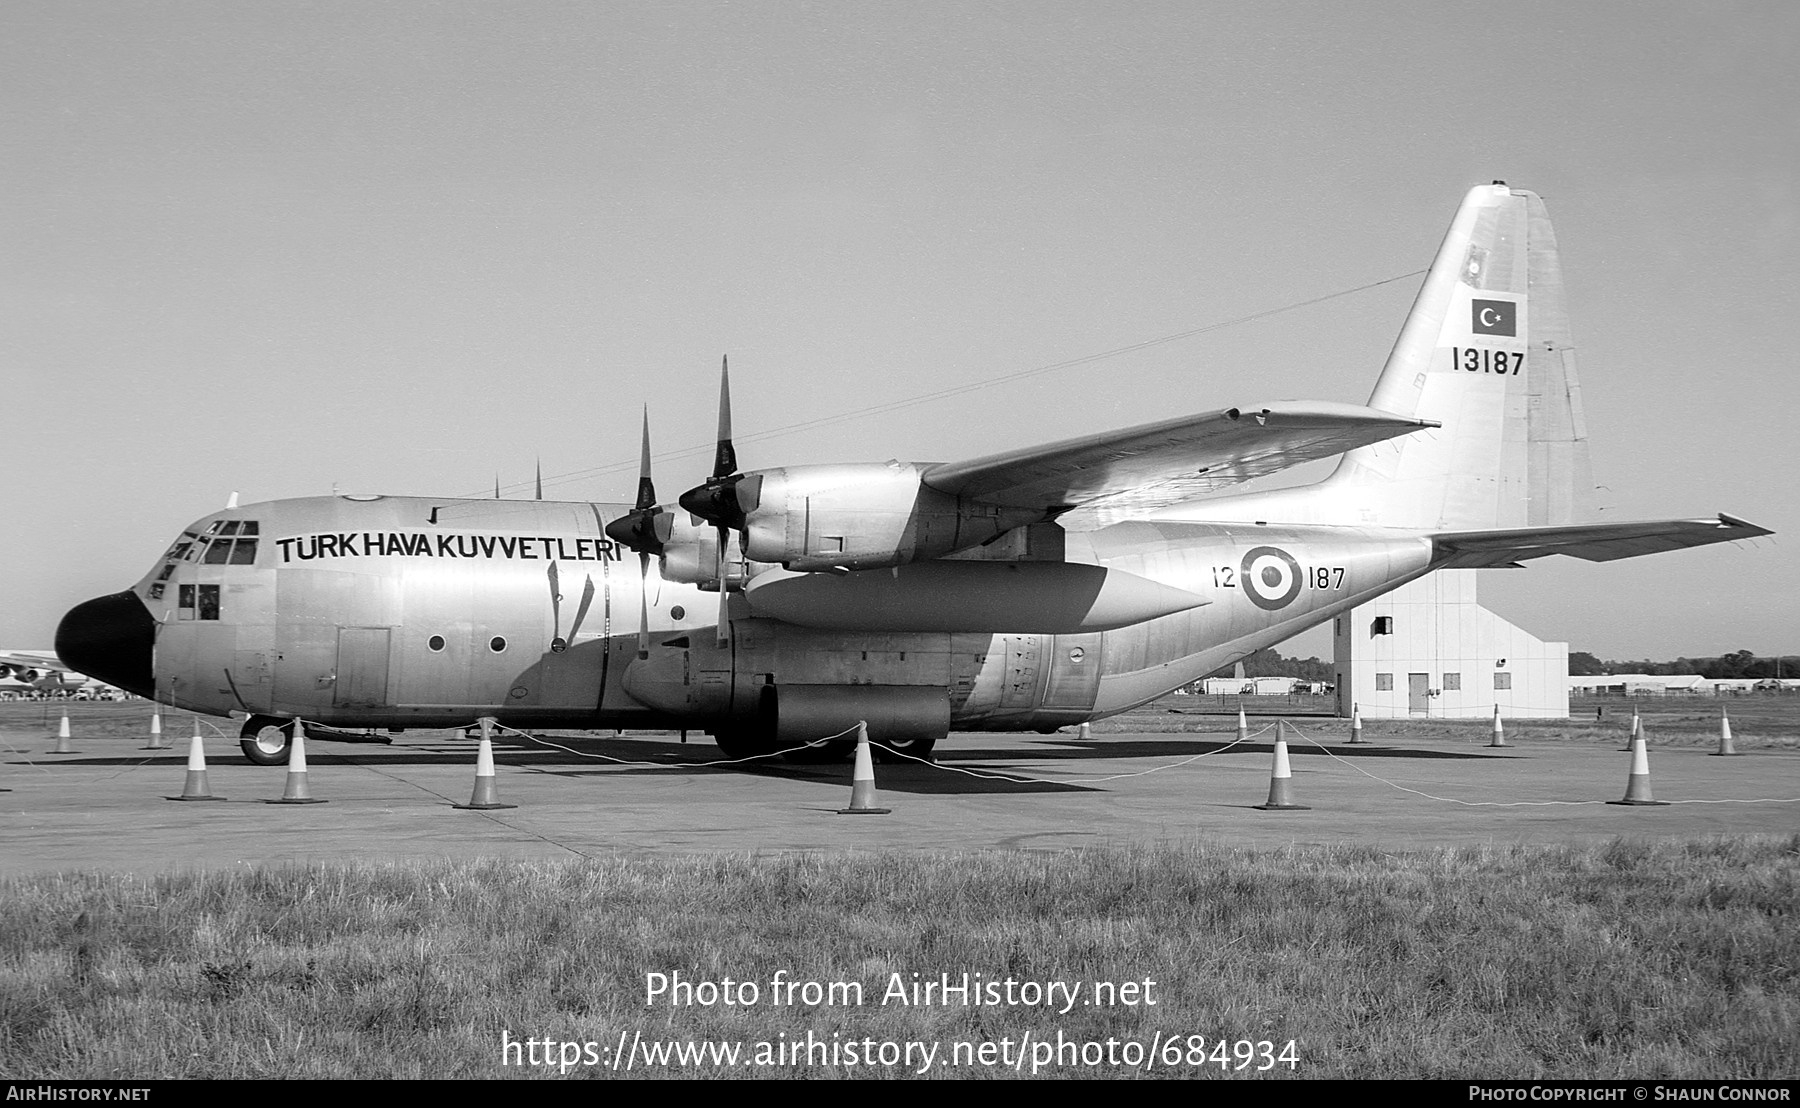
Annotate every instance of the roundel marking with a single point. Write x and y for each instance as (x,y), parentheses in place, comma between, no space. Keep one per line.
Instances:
(1271,577)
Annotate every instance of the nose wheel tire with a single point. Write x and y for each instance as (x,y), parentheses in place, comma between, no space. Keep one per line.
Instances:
(266,740)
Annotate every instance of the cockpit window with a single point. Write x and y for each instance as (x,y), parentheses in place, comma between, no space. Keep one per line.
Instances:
(222,549)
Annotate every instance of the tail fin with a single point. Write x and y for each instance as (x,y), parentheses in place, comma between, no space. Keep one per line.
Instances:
(1486,352)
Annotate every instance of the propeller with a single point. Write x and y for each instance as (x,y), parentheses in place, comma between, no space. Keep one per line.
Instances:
(726,496)
(645,529)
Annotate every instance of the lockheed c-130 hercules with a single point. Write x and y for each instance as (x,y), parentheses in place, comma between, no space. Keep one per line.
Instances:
(1025,590)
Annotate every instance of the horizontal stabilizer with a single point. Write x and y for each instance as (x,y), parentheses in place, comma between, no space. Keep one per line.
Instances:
(1144,467)
(1594,542)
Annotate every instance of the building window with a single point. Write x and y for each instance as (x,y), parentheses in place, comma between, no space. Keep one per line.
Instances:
(1384,682)
(1502,681)
(1452,682)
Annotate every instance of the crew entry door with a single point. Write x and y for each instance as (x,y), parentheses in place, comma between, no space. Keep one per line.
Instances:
(362,667)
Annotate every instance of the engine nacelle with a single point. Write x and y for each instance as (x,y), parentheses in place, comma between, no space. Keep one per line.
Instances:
(863,516)
(691,556)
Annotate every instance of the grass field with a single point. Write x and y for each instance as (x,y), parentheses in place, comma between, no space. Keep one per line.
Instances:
(1630,960)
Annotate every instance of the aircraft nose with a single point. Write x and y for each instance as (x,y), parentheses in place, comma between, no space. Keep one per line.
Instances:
(111,639)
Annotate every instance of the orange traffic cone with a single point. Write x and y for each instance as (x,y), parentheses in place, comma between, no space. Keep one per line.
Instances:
(156,739)
(863,801)
(1637,728)
(1243,727)
(1725,747)
(296,791)
(196,787)
(1281,781)
(1499,738)
(62,737)
(1356,735)
(1637,786)
(486,796)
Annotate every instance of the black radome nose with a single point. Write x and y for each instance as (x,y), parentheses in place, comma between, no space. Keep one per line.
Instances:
(111,639)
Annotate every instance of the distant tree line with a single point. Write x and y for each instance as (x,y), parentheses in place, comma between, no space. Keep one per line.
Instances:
(1268,662)
(1741,663)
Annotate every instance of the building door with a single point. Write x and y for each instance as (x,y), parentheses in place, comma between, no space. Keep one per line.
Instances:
(1418,694)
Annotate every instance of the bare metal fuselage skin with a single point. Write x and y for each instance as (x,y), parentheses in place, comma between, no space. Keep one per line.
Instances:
(399,612)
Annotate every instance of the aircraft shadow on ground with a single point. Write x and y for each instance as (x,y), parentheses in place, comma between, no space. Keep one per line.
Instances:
(658,756)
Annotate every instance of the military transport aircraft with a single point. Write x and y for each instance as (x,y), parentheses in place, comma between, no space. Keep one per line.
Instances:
(1020,591)
(35,671)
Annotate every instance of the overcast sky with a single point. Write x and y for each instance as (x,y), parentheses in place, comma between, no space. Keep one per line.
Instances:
(404,247)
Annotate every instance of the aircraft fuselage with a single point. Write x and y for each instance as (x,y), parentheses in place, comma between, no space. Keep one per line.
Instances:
(398,612)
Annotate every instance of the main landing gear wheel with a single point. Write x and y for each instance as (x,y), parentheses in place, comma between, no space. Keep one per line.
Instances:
(743,743)
(823,754)
(267,740)
(906,750)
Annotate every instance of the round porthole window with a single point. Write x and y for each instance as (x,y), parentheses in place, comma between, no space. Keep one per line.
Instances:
(1077,654)
(677,612)
(558,645)
(435,643)
(497,644)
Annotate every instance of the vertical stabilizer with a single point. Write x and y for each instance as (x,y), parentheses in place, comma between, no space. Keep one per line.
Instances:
(1486,352)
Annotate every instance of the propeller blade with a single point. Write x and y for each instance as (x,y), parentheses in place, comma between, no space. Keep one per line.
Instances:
(555,601)
(643,605)
(725,458)
(724,592)
(646,495)
(717,501)
(645,528)
(581,611)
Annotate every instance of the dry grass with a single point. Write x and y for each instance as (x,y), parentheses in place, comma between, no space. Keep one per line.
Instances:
(1674,959)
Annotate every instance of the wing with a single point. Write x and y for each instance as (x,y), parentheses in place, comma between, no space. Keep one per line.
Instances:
(1594,542)
(1139,468)
(32,659)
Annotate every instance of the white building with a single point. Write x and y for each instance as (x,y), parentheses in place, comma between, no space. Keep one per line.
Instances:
(1428,650)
